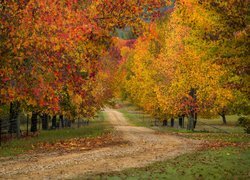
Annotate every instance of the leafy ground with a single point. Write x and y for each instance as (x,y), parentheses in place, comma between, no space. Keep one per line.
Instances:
(226,163)
(222,155)
(134,147)
(53,138)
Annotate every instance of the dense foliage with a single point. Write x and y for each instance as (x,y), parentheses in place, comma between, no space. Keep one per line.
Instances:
(194,60)
(52,51)
(61,57)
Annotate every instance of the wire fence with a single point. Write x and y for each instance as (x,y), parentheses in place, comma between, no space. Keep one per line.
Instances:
(20,127)
(178,123)
(9,128)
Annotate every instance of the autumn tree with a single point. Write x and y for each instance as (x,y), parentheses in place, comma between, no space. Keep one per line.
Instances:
(193,80)
(185,68)
(51,51)
(232,50)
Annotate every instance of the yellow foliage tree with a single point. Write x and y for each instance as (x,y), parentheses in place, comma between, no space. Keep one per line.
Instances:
(180,66)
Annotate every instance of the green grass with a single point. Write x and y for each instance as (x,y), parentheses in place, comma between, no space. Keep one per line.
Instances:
(208,132)
(215,137)
(231,120)
(223,163)
(137,117)
(226,163)
(96,128)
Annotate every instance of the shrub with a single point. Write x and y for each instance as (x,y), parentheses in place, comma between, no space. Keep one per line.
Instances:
(245,122)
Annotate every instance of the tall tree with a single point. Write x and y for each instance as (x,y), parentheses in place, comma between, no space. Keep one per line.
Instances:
(50,48)
(193,49)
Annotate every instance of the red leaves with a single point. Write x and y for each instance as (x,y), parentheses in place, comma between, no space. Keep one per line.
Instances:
(64,36)
(36,92)
(79,144)
(221,144)
(218,140)
(5,79)
(50,44)
(56,73)
(68,67)
(42,103)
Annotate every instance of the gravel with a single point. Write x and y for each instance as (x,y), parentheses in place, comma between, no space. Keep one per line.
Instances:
(143,146)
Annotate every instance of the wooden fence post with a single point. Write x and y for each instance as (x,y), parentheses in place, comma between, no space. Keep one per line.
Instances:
(18,134)
(0,132)
(27,125)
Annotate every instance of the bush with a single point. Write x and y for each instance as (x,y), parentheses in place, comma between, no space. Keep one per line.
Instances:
(245,122)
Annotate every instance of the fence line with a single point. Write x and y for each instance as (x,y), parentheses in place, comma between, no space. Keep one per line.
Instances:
(215,127)
(0,132)
(14,126)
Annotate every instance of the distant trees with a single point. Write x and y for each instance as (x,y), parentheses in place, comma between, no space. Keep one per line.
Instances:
(192,61)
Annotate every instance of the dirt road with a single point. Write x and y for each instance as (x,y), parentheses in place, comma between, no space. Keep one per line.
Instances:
(144,146)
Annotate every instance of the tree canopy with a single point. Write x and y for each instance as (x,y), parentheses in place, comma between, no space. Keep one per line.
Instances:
(201,46)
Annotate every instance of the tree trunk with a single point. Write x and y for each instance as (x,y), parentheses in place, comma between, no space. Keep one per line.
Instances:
(224,119)
(27,125)
(62,121)
(18,130)
(195,120)
(45,118)
(165,122)
(192,116)
(223,115)
(190,123)
(11,126)
(181,121)
(54,122)
(156,122)
(13,118)
(68,123)
(0,132)
(172,122)
(34,122)
(78,122)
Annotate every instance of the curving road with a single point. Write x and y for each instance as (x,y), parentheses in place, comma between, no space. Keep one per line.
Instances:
(144,146)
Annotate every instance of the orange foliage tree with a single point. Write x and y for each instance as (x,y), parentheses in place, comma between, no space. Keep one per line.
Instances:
(51,53)
(180,66)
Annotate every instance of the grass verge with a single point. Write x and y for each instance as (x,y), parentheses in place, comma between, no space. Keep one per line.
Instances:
(214,125)
(137,118)
(225,157)
(97,127)
(226,163)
